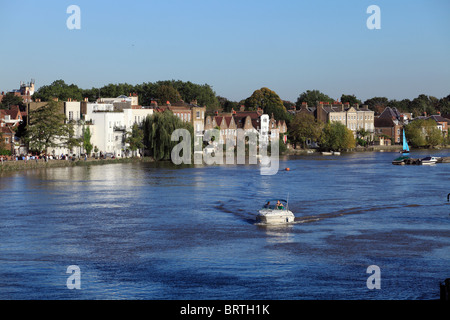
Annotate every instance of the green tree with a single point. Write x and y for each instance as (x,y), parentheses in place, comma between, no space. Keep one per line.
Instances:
(377,104)
(227,105)
(424,104)
(204,94)
(135,138)
(10,99)
(350,99)
(362,137)
(303,127)
(414,133)
(312,97)
(158,130)
(423,133)
(46,128)
(167,93)
(336,137)
(68,139)
(269,102)
(87,145)
(59,89)
(434,136)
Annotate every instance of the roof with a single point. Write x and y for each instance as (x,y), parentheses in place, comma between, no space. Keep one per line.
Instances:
(390,113)
(383,122)
(439,118)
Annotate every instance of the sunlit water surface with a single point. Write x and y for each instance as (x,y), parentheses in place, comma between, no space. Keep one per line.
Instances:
(159,231)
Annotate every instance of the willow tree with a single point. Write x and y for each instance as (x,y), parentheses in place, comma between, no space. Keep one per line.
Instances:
(158,129)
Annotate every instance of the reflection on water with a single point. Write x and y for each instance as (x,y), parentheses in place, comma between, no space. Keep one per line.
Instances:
(158,231)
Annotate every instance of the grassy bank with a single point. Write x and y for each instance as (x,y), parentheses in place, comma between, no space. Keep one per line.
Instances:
(8,166)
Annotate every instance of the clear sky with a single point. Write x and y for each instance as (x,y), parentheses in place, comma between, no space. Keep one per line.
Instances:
(236,46)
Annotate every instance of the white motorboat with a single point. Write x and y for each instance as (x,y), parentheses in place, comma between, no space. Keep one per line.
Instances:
(275,212)
(429,160)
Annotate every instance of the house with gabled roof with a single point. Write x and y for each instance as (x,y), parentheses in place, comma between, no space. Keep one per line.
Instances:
(10,119)
(248,121)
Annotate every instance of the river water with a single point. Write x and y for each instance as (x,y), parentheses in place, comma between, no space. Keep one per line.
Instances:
(160,231)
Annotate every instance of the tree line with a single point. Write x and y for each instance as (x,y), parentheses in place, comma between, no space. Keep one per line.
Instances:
(264,98)
(301,128)
(161,91)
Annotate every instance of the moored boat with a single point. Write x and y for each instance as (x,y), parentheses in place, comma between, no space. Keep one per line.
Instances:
(429,160)
(400,160)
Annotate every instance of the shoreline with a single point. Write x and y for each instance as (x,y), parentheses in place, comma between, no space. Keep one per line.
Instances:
(394,148)
(20,165)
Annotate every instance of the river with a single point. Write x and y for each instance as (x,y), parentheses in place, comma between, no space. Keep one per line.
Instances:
(162,232)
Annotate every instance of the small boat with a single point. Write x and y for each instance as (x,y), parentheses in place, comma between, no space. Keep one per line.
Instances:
(429,160)
(405,150)
(400,160)
(336,153)
(275,211)
(327,153)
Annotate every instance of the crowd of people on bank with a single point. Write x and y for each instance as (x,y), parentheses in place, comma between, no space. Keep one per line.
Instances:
(46,158)
(43,157)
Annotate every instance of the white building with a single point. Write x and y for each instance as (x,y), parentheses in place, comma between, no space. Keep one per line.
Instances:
(107,123)
(109,127)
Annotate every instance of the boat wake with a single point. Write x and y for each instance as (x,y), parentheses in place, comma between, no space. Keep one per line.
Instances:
(250,217)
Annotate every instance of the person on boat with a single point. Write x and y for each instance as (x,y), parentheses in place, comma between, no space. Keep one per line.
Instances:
(267,204)
(280,205)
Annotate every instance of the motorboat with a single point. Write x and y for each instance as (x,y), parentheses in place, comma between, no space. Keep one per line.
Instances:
(400,160)
(429,160)
(275,211)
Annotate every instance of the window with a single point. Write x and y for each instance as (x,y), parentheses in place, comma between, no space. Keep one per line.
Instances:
(198,114)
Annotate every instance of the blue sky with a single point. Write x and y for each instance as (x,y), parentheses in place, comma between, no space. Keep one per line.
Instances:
(234,46)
